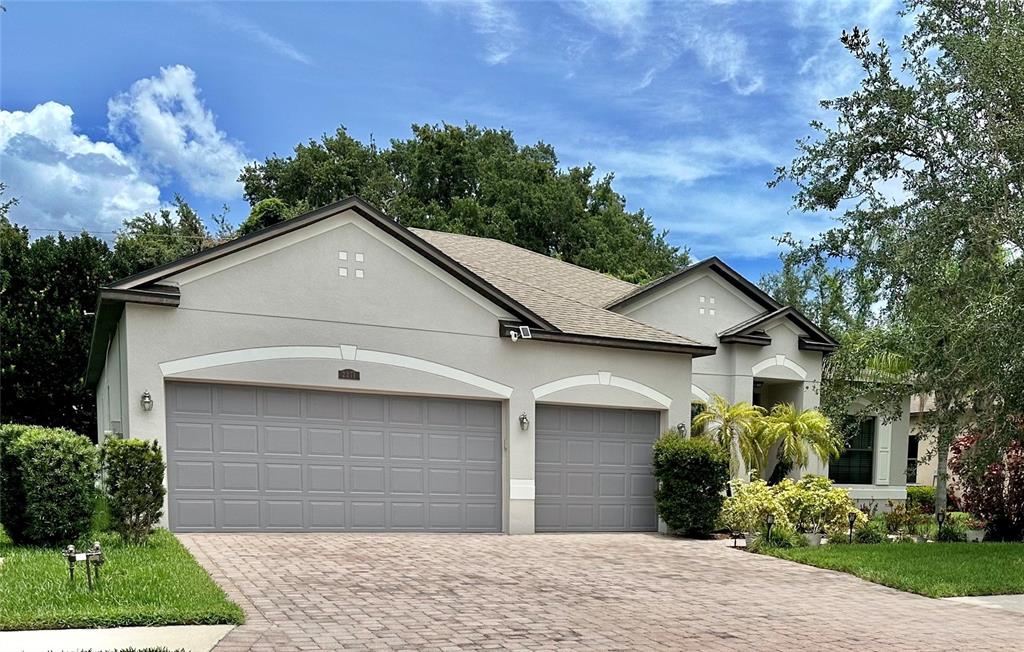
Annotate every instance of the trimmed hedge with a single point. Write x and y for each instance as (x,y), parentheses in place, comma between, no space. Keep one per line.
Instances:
(134,479)
(692,474)
(49,485)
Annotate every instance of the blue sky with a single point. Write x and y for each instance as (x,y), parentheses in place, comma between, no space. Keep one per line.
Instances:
(111,108)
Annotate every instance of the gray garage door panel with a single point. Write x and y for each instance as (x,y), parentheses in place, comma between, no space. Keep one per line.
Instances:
(253,458)
(594,469)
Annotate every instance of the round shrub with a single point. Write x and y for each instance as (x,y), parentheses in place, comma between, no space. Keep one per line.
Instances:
(692,474)
(134,479)
(56,469)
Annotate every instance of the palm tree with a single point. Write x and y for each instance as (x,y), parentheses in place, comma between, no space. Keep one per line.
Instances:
(730,424)
(799,433)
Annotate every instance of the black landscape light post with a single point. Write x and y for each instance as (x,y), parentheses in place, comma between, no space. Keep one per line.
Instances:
(940,516)
(770,520)
(852,517)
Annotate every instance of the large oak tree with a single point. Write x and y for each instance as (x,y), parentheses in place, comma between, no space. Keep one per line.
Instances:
(923,169)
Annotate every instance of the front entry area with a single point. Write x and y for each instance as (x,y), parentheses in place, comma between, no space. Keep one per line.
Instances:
(245,458)
(593,469)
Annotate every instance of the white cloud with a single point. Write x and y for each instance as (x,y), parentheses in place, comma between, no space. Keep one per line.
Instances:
(733,223)
(725,54)
(684,161)
(65,180)
(626,19)
(235,23)
(496,22)
(170,130)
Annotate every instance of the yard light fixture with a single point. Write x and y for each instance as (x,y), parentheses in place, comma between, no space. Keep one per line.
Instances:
(770,520)
(940,516)
(146,401)
(852,518)
(524,422)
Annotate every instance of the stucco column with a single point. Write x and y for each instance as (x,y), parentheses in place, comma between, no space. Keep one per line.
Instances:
(521,467)
(742,389)
(810,400)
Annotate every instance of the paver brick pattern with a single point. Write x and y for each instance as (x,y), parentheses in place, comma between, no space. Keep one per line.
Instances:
(566,591)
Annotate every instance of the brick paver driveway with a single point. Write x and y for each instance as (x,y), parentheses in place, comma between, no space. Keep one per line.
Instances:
(593,591)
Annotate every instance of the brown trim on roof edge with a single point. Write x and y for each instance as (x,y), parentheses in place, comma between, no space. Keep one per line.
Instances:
(756,340)
(715,263)
(109,307)
(807,344)
(372,215)
(143,288)
(693,350)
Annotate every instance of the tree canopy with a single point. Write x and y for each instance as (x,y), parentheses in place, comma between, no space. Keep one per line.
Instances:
(474,181)
(923,169)
(48,291)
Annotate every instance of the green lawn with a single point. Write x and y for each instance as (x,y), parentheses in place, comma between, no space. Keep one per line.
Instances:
(938,570)
(158,583)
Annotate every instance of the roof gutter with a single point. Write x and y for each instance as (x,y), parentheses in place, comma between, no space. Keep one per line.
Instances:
(109,307)
(692,350)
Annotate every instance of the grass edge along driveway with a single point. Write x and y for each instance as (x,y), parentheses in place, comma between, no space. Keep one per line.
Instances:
(936,570)
(158,583)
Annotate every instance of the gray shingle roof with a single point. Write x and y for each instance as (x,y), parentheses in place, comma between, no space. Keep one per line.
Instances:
(568,296)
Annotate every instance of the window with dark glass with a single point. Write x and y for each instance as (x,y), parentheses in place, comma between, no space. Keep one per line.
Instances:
(913,448)
(856,463)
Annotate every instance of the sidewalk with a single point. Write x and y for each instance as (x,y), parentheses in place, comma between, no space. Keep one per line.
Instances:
(191,638)
(1013,602)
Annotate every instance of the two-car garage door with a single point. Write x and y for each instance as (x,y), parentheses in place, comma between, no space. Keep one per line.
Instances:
(252,458)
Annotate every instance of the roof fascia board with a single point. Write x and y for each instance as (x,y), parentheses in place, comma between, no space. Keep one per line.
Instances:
(378,219)
(693,350)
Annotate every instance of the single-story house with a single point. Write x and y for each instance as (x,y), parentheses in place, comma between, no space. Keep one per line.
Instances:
(339,371)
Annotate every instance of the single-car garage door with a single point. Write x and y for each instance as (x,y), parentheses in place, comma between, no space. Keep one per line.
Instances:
(594,469)
(255,458)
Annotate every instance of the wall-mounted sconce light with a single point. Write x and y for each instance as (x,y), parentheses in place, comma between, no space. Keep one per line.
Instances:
(681,428)
(146,401)
(524,422)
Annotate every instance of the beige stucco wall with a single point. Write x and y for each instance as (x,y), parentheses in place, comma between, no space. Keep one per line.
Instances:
(404,324)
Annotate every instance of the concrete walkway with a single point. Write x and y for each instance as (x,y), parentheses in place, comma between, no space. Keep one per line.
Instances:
(1008,602)
(192,638)
(568,591)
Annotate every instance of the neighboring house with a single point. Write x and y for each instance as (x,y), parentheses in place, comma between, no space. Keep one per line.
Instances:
(922,467)
(341,372)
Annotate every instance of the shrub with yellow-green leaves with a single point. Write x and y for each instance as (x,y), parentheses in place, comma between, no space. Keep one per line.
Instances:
(811,504)
(747,509)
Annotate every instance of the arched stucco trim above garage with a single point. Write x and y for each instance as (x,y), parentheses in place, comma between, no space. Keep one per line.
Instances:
(699,393)
(602,378)
(778,361)
(341,352)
